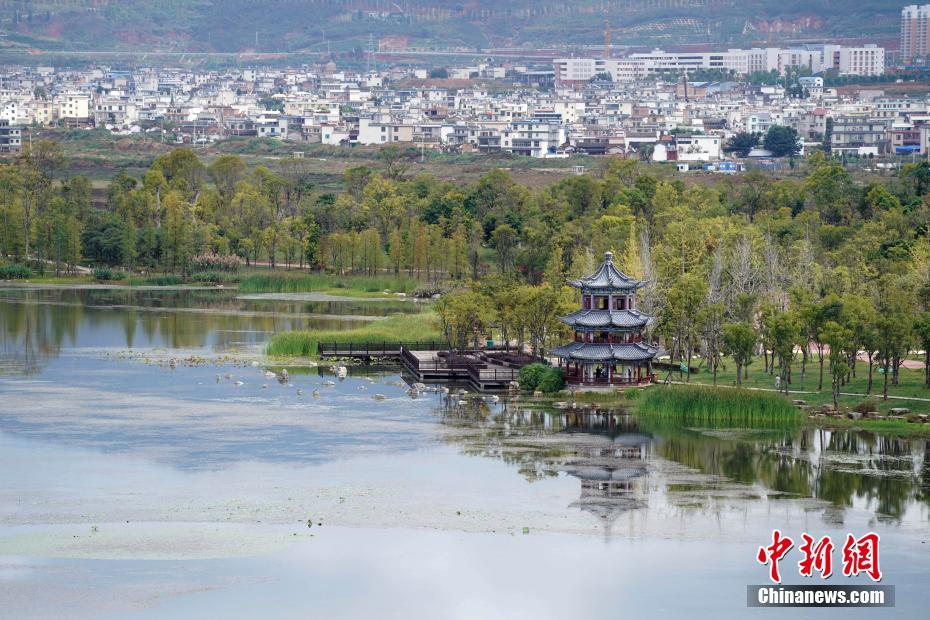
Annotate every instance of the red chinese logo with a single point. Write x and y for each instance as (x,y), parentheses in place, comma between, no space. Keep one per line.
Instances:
(773,554)
(861,556)
(817,557)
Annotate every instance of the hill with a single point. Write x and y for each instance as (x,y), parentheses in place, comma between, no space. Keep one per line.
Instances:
(350,26)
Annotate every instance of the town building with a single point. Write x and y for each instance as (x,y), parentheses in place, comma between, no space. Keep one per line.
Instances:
(915,39)
(860,134)
(609,347)
(11,137)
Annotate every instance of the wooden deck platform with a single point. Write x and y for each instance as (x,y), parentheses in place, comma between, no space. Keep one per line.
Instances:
(429,361)
(376,350)
(471,367)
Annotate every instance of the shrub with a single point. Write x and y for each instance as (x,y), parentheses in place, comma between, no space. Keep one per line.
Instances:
(15,272)
(553,380)
(530,376)
(167,280)
(426,292)
(213,277)
(866,406)
(214,262)
(541,377)
(105,274)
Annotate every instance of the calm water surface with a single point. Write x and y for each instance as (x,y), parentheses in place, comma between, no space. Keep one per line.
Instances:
(137,487)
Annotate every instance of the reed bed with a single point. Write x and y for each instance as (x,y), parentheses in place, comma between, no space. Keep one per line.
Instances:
(731,408)
(395,328)
(284,282)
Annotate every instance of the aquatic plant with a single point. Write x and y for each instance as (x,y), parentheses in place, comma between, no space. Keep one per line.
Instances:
(15,272)
(215,262)
(718,406)
(395,328)
(213,277)
(105,274)
(162,280)
(293,282)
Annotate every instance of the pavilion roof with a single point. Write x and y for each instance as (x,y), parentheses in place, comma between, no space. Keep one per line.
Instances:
(619,319)
(608,277)
(592,352)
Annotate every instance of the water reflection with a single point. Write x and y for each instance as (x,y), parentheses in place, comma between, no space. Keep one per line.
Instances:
(36,324)
(620,460)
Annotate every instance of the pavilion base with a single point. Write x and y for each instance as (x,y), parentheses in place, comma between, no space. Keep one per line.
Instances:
(605,386)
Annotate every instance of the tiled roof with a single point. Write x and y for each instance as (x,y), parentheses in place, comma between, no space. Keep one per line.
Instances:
(607,318)
(589,352)
(607,277)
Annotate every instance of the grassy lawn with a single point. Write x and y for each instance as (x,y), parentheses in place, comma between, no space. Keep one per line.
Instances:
(685,405)
(911,384)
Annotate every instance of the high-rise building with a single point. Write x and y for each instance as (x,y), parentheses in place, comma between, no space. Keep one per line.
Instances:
(915,25)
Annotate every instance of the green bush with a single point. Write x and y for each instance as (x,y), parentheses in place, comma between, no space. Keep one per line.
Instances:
(167,280)
(105,274)
(867,405)
(213,277)
(530,376)
(15,272)
(553,380)
(541,377)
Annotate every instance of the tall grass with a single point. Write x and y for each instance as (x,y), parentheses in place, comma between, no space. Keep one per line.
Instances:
(718,407)
(395,328)
(285,282)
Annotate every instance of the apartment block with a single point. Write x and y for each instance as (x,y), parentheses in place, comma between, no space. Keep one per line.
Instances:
(11,137)
(914,32)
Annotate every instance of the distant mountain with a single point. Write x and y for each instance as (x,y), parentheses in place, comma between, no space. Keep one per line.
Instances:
(353,25)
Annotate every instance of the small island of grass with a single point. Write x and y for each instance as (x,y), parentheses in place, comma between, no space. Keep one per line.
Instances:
(395,328)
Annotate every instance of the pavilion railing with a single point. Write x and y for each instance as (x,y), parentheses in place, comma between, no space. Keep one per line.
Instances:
(573,379)
(378,349)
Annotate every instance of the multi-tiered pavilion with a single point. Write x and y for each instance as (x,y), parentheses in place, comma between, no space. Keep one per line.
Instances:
(609,348)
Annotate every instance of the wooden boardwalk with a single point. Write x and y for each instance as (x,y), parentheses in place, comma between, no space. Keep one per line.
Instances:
(376,350)
(429,362)
(483,374)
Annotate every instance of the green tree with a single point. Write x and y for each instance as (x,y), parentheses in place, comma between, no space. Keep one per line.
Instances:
(679,321)
(741,143)
(504,239)
(922,335)
(710,321)
(839,340)
(785,333)
(739,342)
(781,141)
(463,315)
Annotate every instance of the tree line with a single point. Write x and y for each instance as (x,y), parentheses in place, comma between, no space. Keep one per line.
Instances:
(819,267)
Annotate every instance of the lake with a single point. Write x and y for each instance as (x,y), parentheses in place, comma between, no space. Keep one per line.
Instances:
(152,469)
